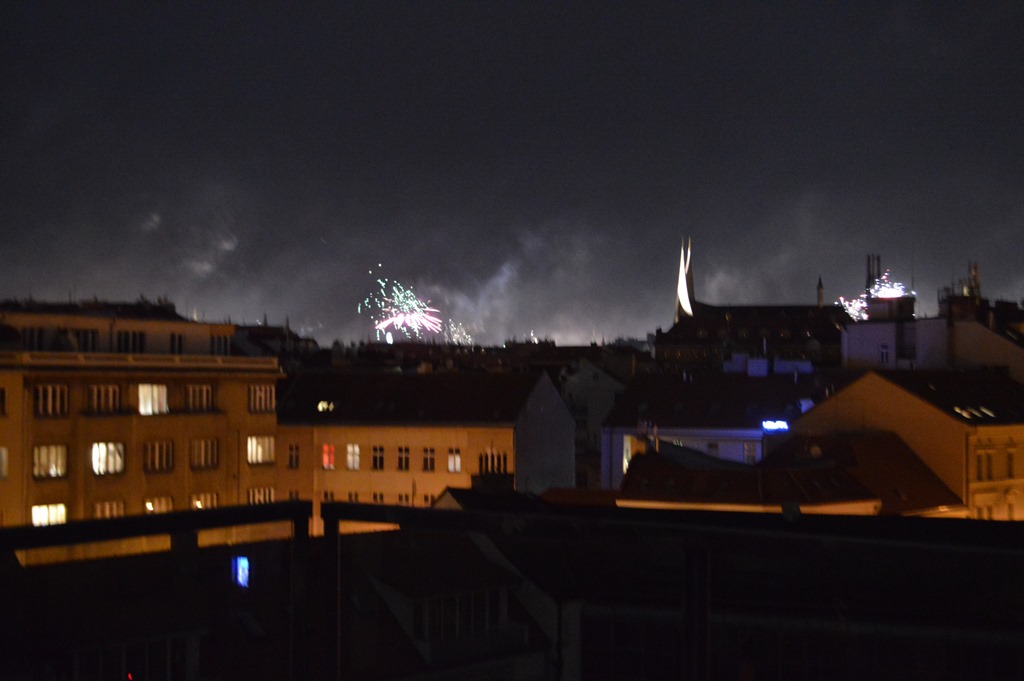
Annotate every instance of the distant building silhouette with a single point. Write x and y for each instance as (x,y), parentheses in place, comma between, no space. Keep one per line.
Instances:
(707,336)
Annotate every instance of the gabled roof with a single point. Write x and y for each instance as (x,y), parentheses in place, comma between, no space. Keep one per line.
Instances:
(715,400)
(330,397)
(498,501)
(975,397)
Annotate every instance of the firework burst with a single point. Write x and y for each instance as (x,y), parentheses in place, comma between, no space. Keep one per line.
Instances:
(395,308)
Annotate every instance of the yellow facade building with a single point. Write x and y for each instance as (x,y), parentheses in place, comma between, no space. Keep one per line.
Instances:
(402,440)
(967,426)
(109,410)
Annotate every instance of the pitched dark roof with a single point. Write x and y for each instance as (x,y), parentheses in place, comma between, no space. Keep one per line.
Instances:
(975,397)
(881,462)
(506,501)
(653,477)
(331,397)
(716,400)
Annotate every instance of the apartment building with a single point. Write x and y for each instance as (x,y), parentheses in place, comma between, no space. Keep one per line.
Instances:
(402,440)
(967,426)
(110,409)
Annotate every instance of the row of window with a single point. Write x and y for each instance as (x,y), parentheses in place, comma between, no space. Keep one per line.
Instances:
(52,399)
(56,514)
(158,456)
(353,461)
(106,458)
(125,342)
(404,498)
(985,470)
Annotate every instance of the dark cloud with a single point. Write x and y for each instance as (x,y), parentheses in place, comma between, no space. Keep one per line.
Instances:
(529,166)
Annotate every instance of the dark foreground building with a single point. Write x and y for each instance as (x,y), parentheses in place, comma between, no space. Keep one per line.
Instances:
(512,588)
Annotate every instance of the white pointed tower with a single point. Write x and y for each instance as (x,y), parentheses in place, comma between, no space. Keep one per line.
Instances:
(684,289)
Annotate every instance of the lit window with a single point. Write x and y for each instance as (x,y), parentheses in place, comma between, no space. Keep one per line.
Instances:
(204,453)
(152,399)
(428,459)
(109,509)
(403,458)
(240,571)
(261,495)
(260,449)
(107,458)
(158,456)
(49,514)
(352,457)
(50,461)
(199,397)
(261,399)
(454,460)
(203,500)
(104,399)
(3,463)
(51,400)
(328,456)
(293,456)
(158,505)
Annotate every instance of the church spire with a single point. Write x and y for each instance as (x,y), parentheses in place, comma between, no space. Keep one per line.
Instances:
(684,288)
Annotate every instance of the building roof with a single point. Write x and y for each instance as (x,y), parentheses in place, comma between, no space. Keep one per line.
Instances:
(881,462)
(503,501)
(329,397)
(141,309)
(715,400)
(712,324)
(655,477)
(974,397)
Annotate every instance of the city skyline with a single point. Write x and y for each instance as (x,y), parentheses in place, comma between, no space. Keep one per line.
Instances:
(525,167)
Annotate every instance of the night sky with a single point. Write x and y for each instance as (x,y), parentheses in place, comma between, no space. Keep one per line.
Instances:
(526,166)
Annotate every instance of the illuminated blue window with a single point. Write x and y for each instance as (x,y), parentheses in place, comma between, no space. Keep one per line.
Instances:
(240,571)
(775,425)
